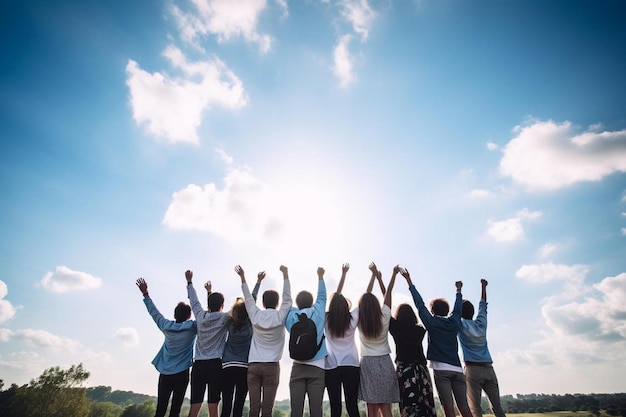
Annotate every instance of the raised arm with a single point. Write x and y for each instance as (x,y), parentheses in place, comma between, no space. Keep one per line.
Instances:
(483,292)
(196,307)
(259,278)
(379,278)
(207,287)
(392,282)
(344,271)
(374,270)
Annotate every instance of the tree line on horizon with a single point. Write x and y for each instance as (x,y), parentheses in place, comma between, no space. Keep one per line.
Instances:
(60,393)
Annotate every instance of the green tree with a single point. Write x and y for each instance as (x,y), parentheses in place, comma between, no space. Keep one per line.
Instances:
(105,409)
(147,409)
(56,393)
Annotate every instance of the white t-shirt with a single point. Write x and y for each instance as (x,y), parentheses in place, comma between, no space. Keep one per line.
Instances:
(380,345)
(342,350)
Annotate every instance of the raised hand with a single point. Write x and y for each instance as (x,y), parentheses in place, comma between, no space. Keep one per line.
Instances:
(239,271)
(396,269)
(483,282)
(188,275)
(345,267)
(405,273)
(207,286)
(372,267)
(320,272)
(285,271)
(142,285)
(260,276)
(459,285)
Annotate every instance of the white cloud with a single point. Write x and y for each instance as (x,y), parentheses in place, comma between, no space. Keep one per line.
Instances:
(128,336)
(510,230)
(623,231)
(41,339)
(600,317)
(173,107)
(225,19)
(360,15)
(240,211)
(64,280)
(526,214)
(550,272)
(7,311)
(547,250)
(343,67)
(479,194)
(492,146)
(549,155)
(224,156)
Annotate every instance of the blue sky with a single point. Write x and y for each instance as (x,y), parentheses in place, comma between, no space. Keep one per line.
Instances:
(461,140)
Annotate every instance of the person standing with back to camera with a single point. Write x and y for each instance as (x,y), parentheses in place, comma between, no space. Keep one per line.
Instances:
(378,386)
(207,366)
(443,349)
(479,372)
(266,348)
(342,362)
(176,354)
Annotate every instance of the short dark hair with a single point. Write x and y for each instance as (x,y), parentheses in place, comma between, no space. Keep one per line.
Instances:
(467,310)
(216,301)
(182,312)
(304,299)
(270,299)
(439,307)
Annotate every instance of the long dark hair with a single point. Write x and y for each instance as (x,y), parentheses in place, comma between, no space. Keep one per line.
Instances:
(405,316)
(338,316)
(370,315)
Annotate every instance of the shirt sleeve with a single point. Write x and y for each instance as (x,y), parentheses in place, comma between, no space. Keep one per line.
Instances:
(422,310)
(196,307)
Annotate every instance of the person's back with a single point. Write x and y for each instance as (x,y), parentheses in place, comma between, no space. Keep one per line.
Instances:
(212,332)
(266,347)
(479,372)
(307,376)
(176,354)
(443,350)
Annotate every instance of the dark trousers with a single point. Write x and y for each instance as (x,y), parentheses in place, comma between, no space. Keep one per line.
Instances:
(234,380)
(175,385)
(348,377)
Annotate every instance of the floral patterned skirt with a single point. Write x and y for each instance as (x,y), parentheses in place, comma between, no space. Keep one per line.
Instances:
(416,390)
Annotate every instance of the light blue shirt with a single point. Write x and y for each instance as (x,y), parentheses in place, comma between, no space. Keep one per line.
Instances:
(473,337)
(317,313)
(176,352)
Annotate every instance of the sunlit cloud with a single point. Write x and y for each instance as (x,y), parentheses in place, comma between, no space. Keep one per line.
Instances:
(600,316)
(550,155)
(40,339)
(360,15)
(173,107)
(225,19)
(343,66)
(511,230)
(63,279)
(240,211)
(224,156)
(542,273)
(7,311)
(492,146)
(128,336)
(547,250)
(479,194)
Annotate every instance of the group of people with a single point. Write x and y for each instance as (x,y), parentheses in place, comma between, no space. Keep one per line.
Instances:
(238,352)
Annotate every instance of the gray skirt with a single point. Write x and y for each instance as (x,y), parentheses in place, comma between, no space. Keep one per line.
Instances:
(379,382)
